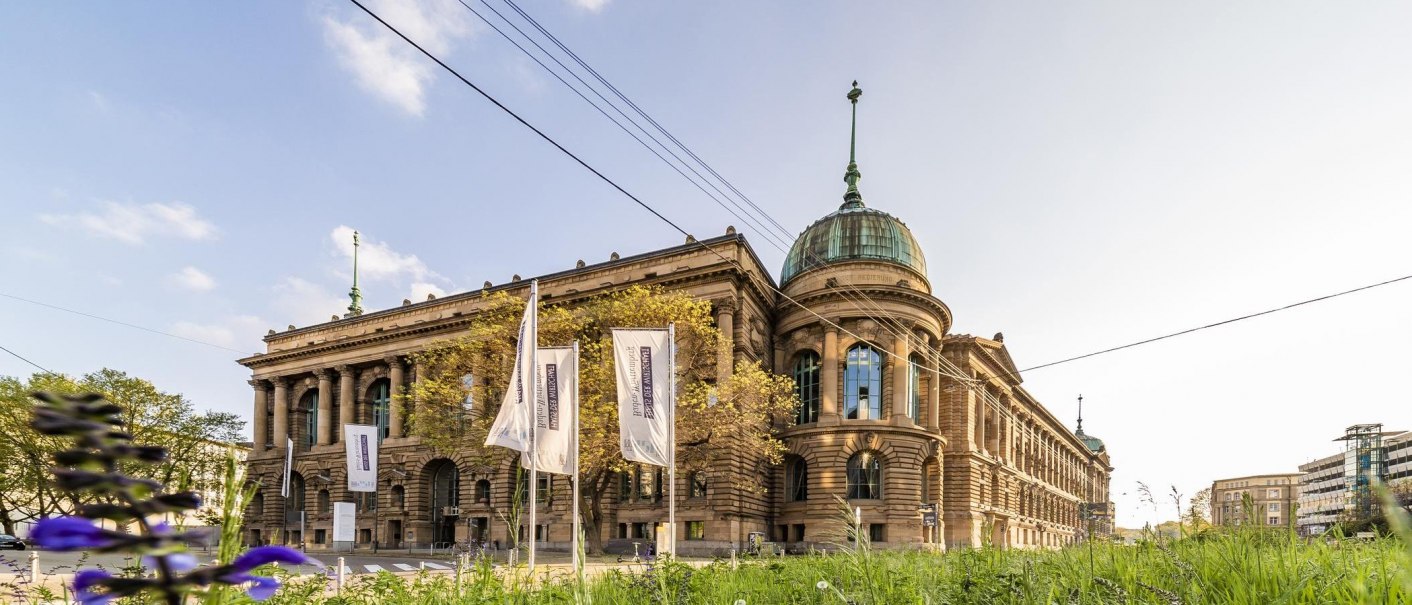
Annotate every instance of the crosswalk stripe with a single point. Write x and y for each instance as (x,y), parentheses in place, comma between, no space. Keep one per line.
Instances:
(374,568)
(436,565)
(347,570)
(404,567)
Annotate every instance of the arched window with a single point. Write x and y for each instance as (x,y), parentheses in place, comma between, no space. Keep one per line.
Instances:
(483,491)
(381,396)
(698,485)
(806,386)
(468,382)
(257,503)
(864,476)
(295,502)
(862,384)
(445,486)
(797,480)
(914,388)
(322,502)
(310,405)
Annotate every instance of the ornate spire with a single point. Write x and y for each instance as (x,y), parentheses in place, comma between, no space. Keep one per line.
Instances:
(853,199)
(356,307)
(1081,416)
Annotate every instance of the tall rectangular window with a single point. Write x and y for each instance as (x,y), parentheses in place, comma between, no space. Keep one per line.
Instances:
(696,530)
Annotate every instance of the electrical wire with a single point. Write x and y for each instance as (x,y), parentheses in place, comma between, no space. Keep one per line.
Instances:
(121,323)
(26,360)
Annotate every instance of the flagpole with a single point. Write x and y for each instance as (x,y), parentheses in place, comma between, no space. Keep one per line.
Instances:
(533,407)
(577,403)
(672,439)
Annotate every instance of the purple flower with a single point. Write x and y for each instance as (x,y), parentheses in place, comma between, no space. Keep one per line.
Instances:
(73,533)
(84,583)
(265,555)
(177,562)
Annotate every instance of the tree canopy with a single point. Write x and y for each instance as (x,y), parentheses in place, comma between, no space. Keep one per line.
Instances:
(465,378)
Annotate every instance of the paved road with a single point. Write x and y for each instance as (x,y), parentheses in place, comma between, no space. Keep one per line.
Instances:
(65,563)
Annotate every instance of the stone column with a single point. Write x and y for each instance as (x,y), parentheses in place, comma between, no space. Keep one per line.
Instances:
(981,410)
(416,403)
(261,408)
(828,381)
(394,405)
(934,398)
(325,405)
(725,353)
(281,435)
(347,407)
(901,378)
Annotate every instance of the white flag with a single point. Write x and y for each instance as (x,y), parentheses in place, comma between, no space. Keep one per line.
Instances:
(511,426)
(361,445)
(288,467)
(644,394)
(555,410)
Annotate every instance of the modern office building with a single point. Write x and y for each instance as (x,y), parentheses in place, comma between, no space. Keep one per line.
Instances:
(1342,484)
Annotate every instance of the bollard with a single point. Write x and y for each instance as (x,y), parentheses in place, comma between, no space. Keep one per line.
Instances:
(422,566)
(33,567)
(734,564)
(339,585)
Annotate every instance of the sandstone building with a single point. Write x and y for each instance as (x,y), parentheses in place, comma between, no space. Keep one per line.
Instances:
(1269,500)
(897,411)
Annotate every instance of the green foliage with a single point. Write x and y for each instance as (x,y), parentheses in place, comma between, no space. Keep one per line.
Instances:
(1227,567)
(149,414)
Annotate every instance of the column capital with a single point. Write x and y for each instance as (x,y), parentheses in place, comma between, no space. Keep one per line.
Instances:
(323,374)
(726,305)
(394,361)
(279,382)
(343,369)
(831,328)
(259,384)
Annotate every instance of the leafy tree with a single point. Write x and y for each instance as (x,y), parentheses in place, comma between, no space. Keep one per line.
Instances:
(737,413)
(1198,513)
(195,463)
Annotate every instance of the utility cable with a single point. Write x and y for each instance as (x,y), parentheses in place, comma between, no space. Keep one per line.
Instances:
(121,323)
(26,360)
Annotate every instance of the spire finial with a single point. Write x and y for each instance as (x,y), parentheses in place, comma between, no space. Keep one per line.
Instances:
(355,308)
(1081,414)
(852,198)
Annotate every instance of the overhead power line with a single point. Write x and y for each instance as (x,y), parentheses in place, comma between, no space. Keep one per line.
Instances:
(679,229)
(1219,323)
(121,323)
(26,360)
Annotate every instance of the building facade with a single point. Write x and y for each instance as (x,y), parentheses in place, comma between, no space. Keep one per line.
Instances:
(1264,500)
(898,413)
(1338,485)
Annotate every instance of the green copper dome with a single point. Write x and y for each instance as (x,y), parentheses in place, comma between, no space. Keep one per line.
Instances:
(854,232)
(1094,444)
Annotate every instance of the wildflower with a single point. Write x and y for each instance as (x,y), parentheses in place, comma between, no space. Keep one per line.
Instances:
(75,533)
(822,585)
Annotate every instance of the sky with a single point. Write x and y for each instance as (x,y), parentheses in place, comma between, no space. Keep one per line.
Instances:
(1080,175)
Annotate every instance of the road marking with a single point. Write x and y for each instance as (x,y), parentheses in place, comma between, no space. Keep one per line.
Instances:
(436,565)
(404,567)
(347,570)
(374,568)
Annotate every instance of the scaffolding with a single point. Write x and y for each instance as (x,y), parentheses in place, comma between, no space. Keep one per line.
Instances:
(1364,464)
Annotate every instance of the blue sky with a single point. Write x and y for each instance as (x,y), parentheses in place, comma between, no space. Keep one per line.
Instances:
(1080,175)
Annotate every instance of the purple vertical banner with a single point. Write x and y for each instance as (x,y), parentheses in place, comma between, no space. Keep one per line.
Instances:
(363,447)
(551,394)
(645,374)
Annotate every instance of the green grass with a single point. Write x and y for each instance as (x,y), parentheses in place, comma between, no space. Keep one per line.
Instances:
(1248,567)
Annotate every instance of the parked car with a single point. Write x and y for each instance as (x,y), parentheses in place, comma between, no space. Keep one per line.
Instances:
(12,543)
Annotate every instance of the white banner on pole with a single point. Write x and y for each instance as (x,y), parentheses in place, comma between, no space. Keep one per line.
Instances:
(344,520)
(361,445)
(644,394)
(288,467)
(511,428)
(555,411)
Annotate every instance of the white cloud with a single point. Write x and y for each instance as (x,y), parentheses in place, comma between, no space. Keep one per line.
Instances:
(133,223)
(193,279)
(386,65)
(303,303)
(237,331)
(378,261)
(420,290)
(592,6)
